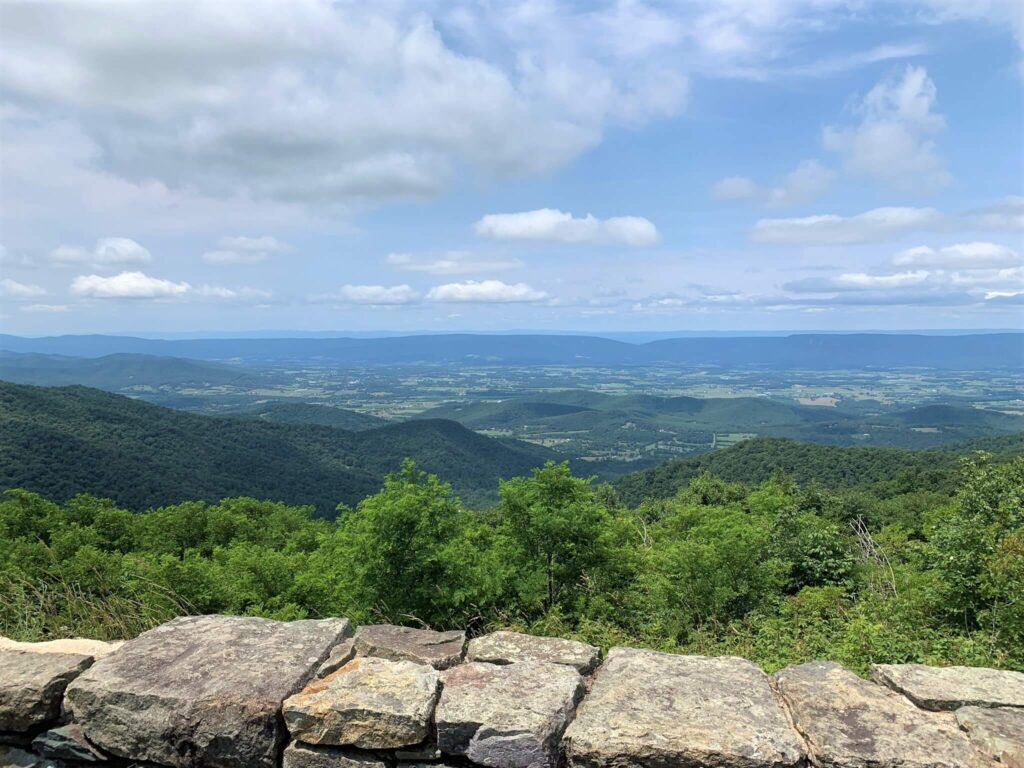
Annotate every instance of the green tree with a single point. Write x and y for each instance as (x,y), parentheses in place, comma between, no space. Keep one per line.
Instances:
(557,530)
(403,553)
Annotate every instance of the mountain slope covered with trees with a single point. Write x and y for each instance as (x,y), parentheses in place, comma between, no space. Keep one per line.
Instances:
(63,441)
(887,470)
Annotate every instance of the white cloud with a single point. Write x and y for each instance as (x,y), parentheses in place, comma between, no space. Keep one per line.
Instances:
(373,294)
(138,285)
(858,281)
(807,182)
(15,290)
(485,291)
(977,255)
(892,142)
(120,250)
(549,224)
(355,101)
(127,285)
(450,263)
(108,252)
(220,292)
(875,225)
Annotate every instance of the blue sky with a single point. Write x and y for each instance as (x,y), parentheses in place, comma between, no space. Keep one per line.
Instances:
(781,164)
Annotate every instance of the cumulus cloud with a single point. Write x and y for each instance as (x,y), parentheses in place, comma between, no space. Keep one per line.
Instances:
(138,285)
(485,291)
(450,263)
(381,295)
(893,140)
(108,252)
(127,285)
(807,182)
(552,225)
(15,290)
(976,255)
(876,225)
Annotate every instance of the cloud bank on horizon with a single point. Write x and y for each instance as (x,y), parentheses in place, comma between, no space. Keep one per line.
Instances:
(736,164)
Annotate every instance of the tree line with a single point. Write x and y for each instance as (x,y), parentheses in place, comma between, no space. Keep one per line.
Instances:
(779,572)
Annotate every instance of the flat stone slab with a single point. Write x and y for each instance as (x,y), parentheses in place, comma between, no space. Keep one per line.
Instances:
(657,710)
(512,647)
(999,731)
(849,722)
(369,703)
(67,743)
(95,648)
(440,650)
(32,686)
(341,655)
(939,688)
(298,755)
(508,716)
(201,690)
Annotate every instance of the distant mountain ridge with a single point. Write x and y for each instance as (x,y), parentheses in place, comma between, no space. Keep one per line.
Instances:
(798,351)
(123,369)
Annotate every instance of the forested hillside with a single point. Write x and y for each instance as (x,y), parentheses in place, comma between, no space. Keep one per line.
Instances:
(63,441)
(889,470)
(306,413)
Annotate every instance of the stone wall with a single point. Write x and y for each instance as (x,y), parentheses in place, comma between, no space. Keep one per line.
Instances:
(237,691)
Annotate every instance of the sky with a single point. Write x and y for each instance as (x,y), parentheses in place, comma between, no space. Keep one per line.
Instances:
(175,167)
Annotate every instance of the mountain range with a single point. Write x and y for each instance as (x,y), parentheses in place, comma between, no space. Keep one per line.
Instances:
(798,351)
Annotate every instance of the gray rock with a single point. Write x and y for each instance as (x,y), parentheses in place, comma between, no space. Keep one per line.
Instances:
(941,688)
(440,650)
(507,716)
(80,645)
(32,686)
(659,710)
(67,743)
(298,755)
(999,731)
(201,690)
(12,757)
(369,703)
(511,647)
(849,722)
(341,655)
